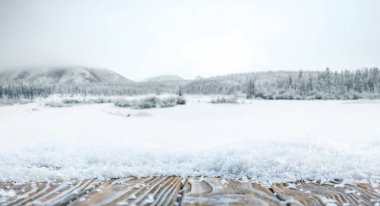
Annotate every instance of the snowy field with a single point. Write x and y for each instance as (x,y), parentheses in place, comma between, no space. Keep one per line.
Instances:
(267,141)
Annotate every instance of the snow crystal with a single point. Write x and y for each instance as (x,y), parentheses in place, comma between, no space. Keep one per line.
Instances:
(132,197)
(149,199)
(6,194)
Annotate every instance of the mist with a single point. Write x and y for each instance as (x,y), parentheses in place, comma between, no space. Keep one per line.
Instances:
(139,39)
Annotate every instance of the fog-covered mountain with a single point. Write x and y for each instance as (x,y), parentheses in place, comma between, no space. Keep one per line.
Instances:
(31,83)
(62,76)
(164,84)
(165,78)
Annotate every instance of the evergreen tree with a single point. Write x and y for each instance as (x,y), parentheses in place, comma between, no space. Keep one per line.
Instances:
(250,89)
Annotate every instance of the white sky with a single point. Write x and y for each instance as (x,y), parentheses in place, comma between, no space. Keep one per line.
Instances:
(140,39)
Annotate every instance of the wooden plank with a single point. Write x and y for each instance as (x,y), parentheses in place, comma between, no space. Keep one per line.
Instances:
(329,193)
(134,191)
(217,191)
(46,193)
(197,191)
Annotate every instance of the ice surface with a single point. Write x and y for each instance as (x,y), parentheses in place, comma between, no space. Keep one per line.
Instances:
(263,140)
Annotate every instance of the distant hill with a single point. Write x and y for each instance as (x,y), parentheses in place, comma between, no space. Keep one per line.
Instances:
(62,76)
(165,78)
(163,84)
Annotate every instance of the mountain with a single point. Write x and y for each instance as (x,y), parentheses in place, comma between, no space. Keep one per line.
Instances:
(62,76)
(165,78)
(163,84)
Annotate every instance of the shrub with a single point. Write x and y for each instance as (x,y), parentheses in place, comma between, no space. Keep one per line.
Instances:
(122,103)
(224,100)
(5,101)
(56,104)
(150,102)
(181,100)
(167,102)
(100,100)
(71,101)
(145,103)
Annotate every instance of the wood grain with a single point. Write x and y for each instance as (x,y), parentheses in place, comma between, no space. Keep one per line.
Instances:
(194,191)
(216,191)
(134,191)
(312,193)
(45,193)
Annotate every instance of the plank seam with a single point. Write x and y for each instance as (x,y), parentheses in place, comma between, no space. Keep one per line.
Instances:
(279,197)
(182,192)
(82,193)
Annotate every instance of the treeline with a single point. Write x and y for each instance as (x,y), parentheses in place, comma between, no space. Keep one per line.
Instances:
(31,91)
(361,83)
(27,91)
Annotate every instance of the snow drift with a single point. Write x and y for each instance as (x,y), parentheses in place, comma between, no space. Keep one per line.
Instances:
(267,141)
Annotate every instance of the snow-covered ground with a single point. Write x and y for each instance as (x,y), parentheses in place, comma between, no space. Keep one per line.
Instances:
(264,140)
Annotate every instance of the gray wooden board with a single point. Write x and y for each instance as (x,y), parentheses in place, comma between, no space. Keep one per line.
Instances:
(45,193)
(172,190)
(134,191)
(314,193)
(216,191)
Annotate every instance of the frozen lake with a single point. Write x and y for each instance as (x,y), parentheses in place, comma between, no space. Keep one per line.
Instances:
(263,140)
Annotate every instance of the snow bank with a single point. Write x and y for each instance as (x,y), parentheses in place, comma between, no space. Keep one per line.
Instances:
(267,141)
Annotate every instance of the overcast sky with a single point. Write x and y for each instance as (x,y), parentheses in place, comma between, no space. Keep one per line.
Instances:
(146,38)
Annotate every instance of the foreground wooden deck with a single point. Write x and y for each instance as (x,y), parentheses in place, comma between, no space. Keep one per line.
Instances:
(186,192)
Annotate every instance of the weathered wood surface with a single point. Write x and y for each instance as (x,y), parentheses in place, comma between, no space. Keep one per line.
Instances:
(134,191)
(44,193)
(216,191)
(187,192)
(329,193)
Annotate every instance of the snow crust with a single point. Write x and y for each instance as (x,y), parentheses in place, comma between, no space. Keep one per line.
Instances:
(265,141)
